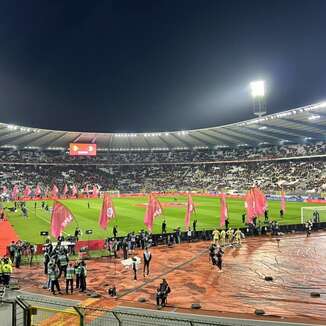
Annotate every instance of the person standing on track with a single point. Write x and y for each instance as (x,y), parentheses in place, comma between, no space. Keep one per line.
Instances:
(6,270)
(216,236)
(70,278)
(237,236)
(229,234)
(134,267)
(62,262)
(308,226)
(147,260)
(82,276)
(219,258)
(222,238)
(53,278)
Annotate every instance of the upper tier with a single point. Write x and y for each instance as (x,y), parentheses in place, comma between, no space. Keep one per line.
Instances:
(297,126)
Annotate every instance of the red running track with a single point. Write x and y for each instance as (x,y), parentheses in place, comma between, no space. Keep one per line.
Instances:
(7,234)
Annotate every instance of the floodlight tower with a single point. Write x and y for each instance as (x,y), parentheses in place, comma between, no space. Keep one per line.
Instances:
(258,96)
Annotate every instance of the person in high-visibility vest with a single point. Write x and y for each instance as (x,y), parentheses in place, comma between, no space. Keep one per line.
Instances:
(229,234)
(62,263)
(6,270)
(238,235)
(222,238)
(70,272)
(77,272)
(53,278)
(216,235)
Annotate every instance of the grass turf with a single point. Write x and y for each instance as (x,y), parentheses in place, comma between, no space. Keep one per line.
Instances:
(130,216)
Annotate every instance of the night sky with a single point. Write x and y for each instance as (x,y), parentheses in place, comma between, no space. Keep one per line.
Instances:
(132,66)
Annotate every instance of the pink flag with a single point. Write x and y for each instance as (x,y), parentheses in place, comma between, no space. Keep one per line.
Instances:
(153,209)
(107,211)
(95,191)
(255,203)
(86,190)
(283,201)
(37,190)
(47,191)
(74,190)
(190,209)
(65,189)
(27,191)
(260,201)
(250,206)
(224,212)
(61,217)
(15,192)
(54,191)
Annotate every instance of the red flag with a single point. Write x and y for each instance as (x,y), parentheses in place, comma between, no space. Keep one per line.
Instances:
(95,191)
(60,218)
(37,190)
(65,189)
(74,190)
(190,209)
(107,211)
(250,206)
(54,191)
(283,201)
(15,192)
(255,203)
(27,191)
(153,209)
(224,211)
(260,201)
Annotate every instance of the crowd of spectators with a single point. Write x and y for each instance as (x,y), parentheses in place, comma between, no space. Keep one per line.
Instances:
(298,176)
(173,156)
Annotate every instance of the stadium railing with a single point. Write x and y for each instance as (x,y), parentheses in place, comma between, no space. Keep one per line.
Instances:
(44,311)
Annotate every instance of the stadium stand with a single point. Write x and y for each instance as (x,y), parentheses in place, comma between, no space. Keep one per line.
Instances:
(304,172)
(285,149)
(182,156)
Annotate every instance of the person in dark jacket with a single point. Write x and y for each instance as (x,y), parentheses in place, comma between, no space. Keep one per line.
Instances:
(147,260)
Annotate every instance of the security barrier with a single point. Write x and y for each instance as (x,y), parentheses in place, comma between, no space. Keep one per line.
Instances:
(28,311)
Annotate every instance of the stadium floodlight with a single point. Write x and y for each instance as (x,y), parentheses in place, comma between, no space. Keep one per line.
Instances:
(258,95)
(257,88)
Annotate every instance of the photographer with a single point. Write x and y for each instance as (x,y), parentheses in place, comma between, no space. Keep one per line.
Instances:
(162,294)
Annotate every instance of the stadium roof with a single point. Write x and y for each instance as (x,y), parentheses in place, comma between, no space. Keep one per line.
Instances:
(300,125)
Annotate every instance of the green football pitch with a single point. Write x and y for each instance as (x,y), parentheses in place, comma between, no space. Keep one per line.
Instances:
(130,216)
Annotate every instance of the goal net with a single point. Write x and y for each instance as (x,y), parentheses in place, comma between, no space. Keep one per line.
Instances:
(314,213)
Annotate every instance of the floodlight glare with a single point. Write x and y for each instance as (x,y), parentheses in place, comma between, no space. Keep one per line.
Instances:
(257,88)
